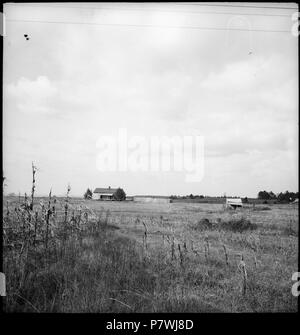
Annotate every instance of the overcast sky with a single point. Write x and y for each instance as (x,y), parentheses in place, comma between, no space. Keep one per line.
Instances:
(69,84)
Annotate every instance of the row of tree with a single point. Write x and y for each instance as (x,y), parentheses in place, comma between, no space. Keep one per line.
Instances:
(191,196)
(119,194)
(282,197)
(287,196)
(263,195)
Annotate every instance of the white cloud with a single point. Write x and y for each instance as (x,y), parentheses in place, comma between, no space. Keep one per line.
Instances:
(32,96)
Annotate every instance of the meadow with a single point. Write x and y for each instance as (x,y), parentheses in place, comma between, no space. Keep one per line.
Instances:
(73,255)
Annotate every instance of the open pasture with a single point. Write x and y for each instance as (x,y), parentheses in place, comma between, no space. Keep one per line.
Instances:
(134,257)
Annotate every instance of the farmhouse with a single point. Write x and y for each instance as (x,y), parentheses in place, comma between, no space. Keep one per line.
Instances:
(151,198)
(104,193)
(234,202)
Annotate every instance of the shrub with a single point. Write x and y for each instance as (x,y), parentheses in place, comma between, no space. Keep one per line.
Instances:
(238,225)
(88,194)
(119,195)
(205,223)
(202,224)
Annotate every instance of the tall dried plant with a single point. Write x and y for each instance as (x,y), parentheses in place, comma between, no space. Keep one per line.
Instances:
(47,219)
(243,271)
(144,236)
(225,254)
(206,247)
(34,169)
(180,255)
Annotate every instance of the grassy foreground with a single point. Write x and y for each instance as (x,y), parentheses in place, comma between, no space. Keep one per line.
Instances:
(90,256)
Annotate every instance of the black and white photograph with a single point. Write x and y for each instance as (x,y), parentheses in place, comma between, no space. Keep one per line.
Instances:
(150,159)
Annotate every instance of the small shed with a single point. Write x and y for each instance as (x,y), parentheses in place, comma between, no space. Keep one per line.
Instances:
(234,203)
(101,193)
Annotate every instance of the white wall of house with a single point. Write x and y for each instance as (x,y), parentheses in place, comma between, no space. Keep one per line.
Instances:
(95,196)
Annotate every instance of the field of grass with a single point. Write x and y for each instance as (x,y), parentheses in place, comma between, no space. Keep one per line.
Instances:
(92,256)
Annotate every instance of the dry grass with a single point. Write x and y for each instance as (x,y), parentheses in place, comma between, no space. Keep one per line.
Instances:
(90,256)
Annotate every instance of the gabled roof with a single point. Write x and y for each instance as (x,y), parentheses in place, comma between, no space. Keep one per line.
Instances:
(105,190)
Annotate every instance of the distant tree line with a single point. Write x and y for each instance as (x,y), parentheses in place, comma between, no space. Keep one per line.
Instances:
(262,195)
(281,197)
(191,196)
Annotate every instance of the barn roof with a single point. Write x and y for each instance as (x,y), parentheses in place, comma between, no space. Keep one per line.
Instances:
(105,190)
